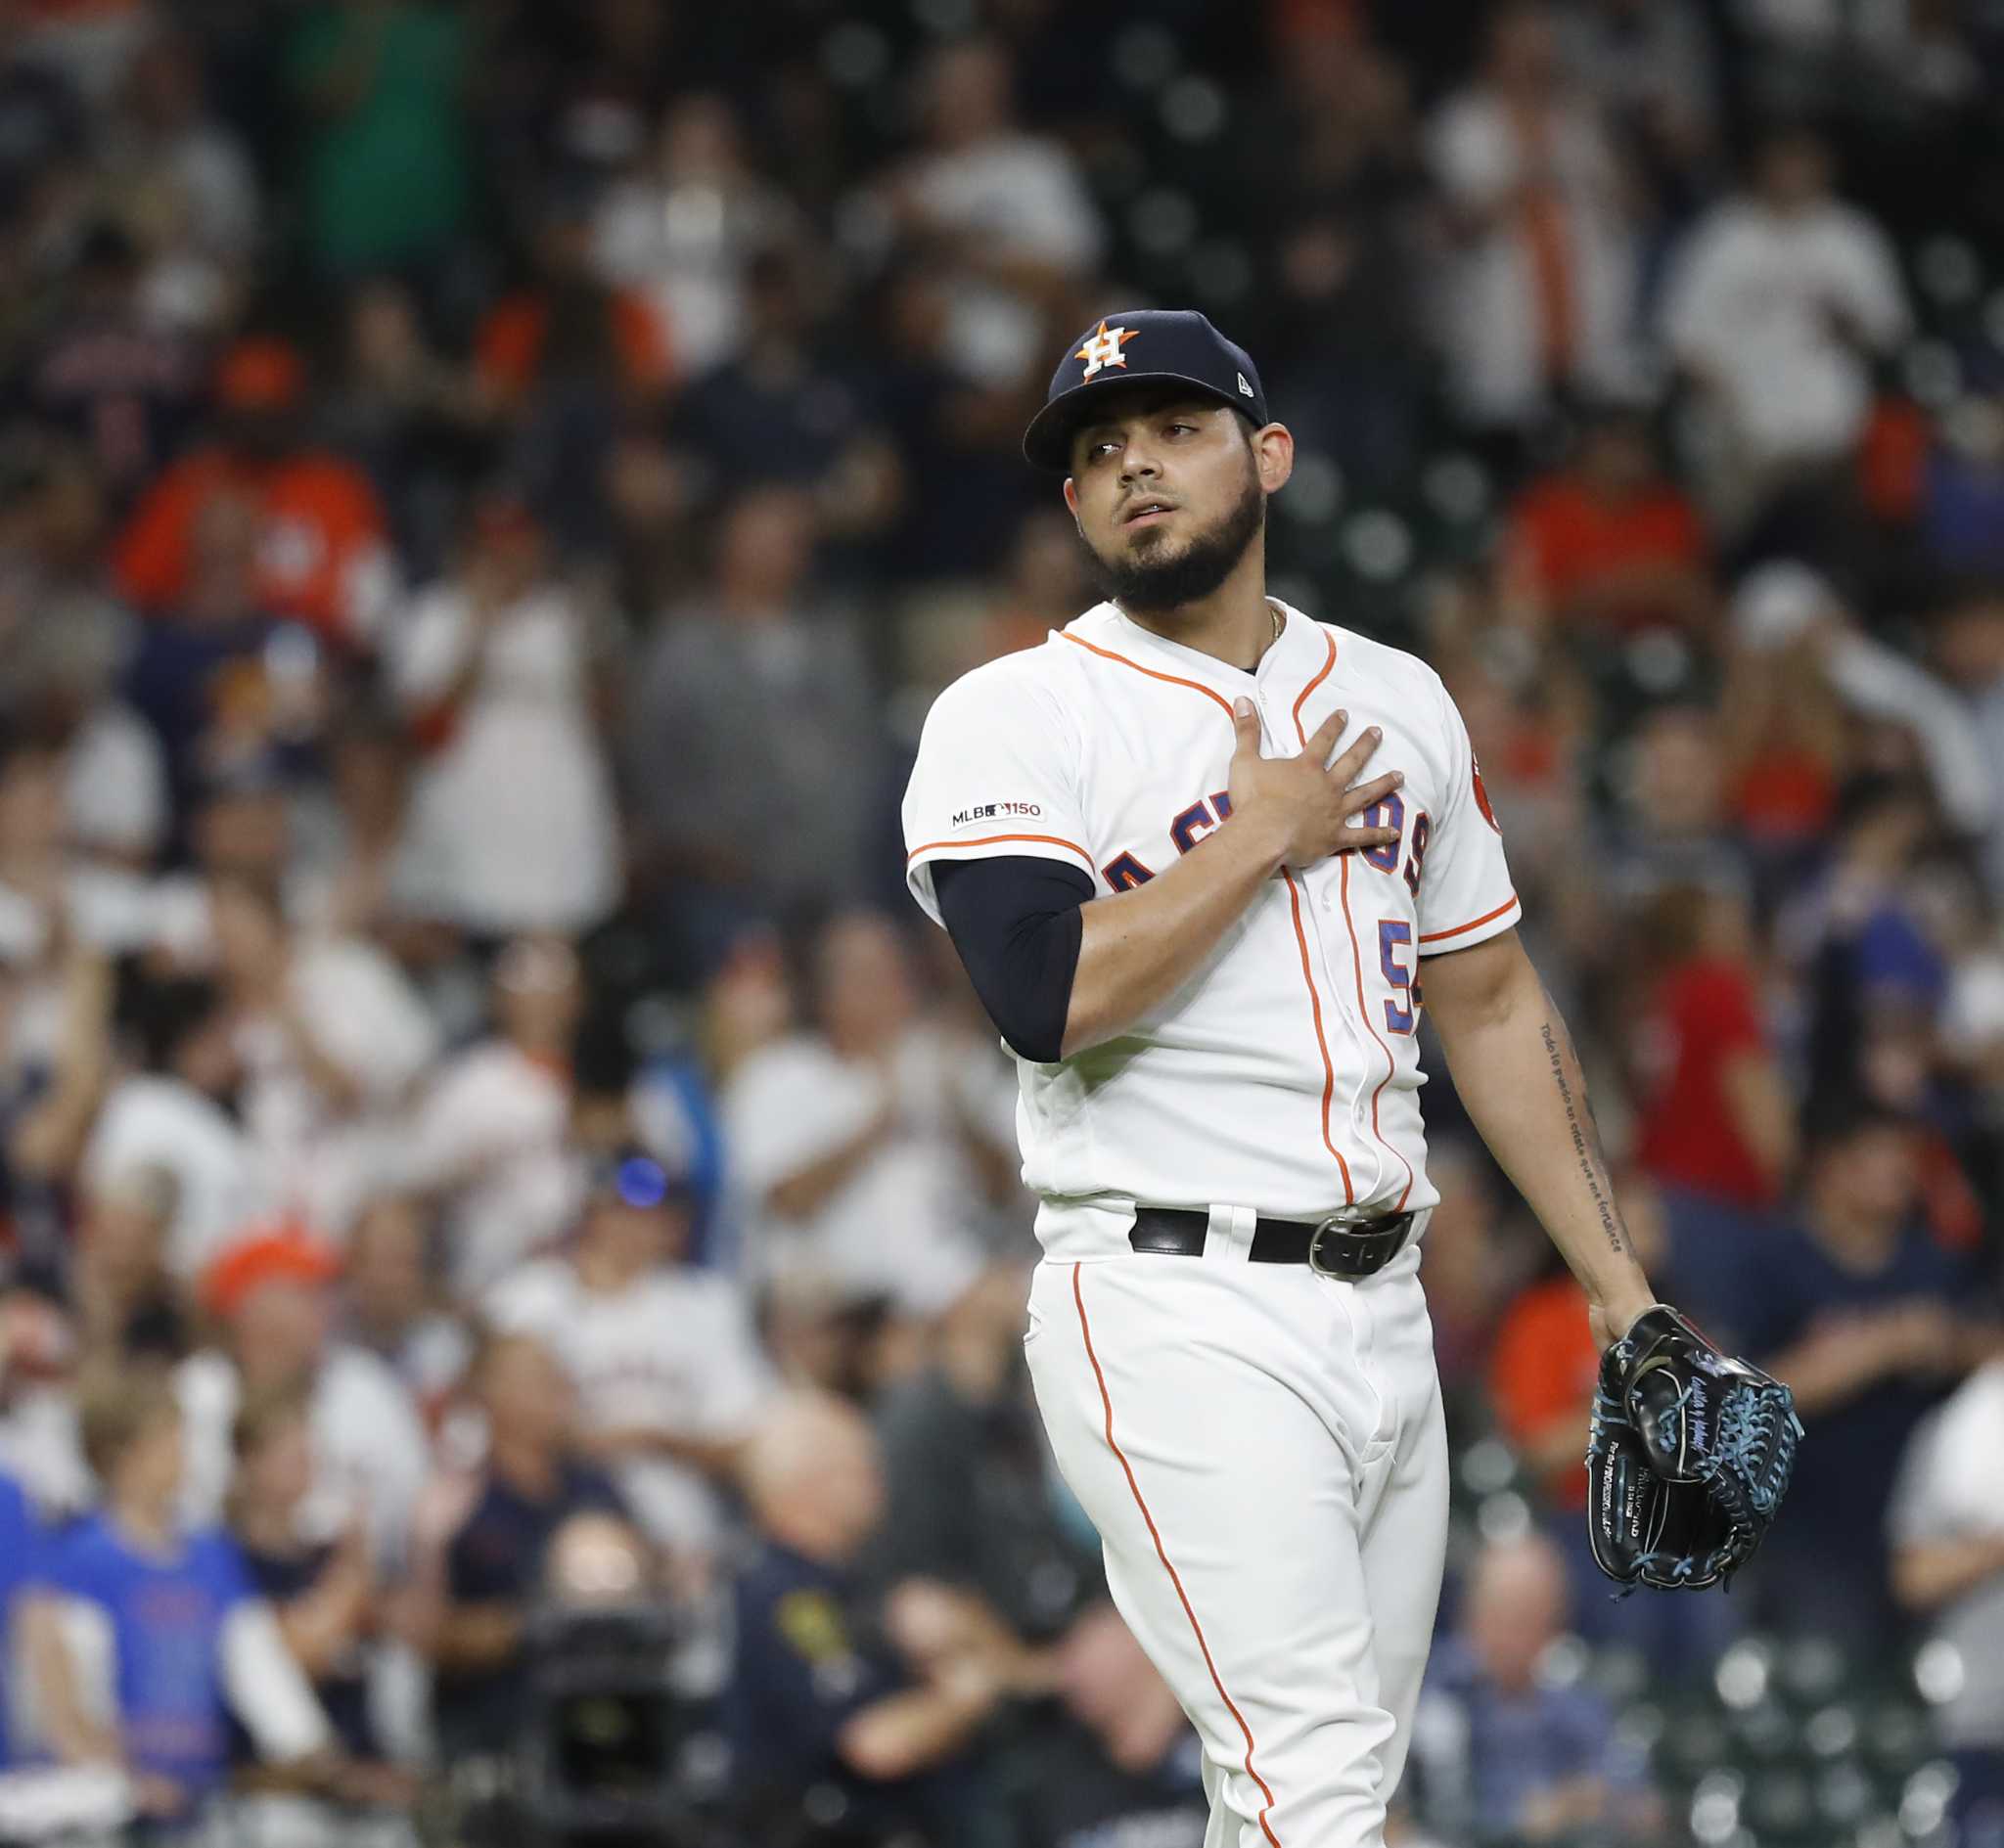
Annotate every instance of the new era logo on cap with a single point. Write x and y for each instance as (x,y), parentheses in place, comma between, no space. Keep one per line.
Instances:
(1243,388)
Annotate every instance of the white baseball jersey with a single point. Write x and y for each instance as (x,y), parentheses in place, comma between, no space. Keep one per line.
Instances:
(1283,1077)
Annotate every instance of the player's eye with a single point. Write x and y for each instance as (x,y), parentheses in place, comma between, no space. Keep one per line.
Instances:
(1186,429)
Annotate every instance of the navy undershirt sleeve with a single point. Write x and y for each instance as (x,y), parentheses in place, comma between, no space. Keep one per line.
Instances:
(1017,922)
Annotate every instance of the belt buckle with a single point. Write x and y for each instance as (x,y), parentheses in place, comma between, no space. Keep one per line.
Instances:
(1334,1223)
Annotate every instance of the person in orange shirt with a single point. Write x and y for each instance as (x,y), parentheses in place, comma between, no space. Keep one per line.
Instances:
(566,322)
(1606,543)
(324,556)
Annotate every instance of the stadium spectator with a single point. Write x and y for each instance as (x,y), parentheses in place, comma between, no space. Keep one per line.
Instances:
(326,1593)
(1004,208)
(1877,979)
(681,227)
(357,876)
(1969,644)
(1946,1525)
(186,187)
(567,366)
(202,673)
(1609,547)
(123,1301)
(1779,302)
(270,1295)
(822,1724)
(66,670)
(1503,1756)
(334,1041)
(1716,1116)
(383,90)
(857,1142)
(1871,1324)
(393,1305)
(24,1544)
(1540,280)
(488,1142)
(1673,825)
(964,1471)
(1650,66)
(502,672)
(752,655)
(175,1114)
(145,1635)
(483,1540)
(781,411)
(110,374)
(1126,1762)
(668,1379)
(1962,492)
(1784,606)
(411,417)
(320,548)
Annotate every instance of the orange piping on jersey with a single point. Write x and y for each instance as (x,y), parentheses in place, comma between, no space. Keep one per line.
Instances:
(1350,1192)
(1301,699)
(990,840)
(1174,680)
(1162,1553)
(1473,924)
(1364,1015)
(1356,961)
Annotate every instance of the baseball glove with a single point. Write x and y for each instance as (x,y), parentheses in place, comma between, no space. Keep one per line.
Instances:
(1688,1458)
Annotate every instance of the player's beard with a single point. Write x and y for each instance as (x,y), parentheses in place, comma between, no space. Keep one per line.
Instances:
(1152,579)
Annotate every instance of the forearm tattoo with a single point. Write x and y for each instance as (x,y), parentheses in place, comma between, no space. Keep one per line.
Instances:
(1586,1135)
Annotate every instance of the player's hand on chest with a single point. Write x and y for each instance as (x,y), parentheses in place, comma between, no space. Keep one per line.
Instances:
(1358,786)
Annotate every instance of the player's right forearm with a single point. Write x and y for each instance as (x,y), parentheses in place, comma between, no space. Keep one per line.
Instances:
(1138,947)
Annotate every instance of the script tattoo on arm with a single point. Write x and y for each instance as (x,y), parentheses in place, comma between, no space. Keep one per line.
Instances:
(1586,1135)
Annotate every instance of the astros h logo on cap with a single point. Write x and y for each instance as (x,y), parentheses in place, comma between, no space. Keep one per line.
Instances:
(1169,345)
(1104,347)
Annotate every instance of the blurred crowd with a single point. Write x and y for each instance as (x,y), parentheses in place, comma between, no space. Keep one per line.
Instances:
(512,1254)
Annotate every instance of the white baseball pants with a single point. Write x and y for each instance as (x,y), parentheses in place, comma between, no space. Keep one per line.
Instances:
(1263,1453)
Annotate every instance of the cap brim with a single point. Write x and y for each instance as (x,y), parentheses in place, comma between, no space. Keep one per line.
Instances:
(1047,443)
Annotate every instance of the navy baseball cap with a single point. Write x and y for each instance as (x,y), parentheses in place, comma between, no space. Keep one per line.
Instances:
(1177,345)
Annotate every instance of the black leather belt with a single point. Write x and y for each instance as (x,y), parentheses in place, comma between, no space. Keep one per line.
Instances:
(1329,1247)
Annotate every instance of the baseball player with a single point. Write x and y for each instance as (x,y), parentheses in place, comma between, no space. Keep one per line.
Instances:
(1198,853)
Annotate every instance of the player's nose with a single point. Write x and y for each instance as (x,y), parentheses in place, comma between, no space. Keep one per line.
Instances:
(1138,465)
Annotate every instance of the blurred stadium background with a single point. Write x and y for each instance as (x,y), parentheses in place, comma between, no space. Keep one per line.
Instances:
(493,1177)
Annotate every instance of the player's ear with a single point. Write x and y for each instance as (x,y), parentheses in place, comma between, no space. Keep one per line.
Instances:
(1072,496)
(1273,455)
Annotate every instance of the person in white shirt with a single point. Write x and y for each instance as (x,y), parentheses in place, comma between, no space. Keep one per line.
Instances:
(850,1142)
(1538,288)
(334,1041)
(1945,1523)
(668,1373)
(489,1143)
(1007,209)
(499,667)
(270,1292)
(175,1115)
(1778,303)
(682,228)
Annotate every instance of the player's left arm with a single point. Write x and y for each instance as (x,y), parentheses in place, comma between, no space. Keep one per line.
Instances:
(1519,1077)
